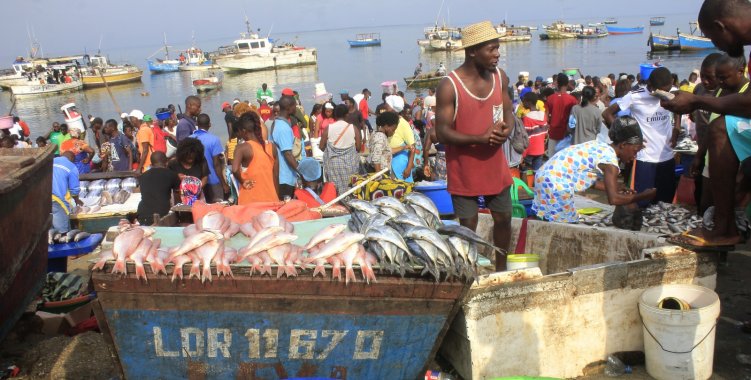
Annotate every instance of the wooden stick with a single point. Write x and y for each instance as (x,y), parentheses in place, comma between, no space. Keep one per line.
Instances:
(107,86)
(352,190)
(12,106)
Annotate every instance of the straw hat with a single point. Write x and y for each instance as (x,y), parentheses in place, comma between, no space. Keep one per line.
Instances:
(478,33)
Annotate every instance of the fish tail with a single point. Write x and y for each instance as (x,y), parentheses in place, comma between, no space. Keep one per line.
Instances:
(290,270)
(119,267)
(319,269)
(349,274)
(177,272)
(336,272)
(141,272)
(228,271)
(99,265)
(206,273)
(195,271)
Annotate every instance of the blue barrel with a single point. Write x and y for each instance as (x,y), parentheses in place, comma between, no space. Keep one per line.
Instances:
(646,69)
(439,195)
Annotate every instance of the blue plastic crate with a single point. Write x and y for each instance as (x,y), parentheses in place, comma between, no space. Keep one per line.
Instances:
(57,254)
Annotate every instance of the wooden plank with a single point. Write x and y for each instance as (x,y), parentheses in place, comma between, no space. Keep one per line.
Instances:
(106,175)
(106,334)
(242,283)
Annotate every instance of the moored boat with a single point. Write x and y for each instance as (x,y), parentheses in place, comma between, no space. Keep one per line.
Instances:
(445,45)
(588,33)
(659,42)
(254,53)
(424,80)
(164,66)
(690,42)
(657,21)
(23,70)
(100,73)
(194,59)
(365,39)
(207,84)
(513,33)
(435,34)
(25,187)
(46,89)
(610,21)
(560,31)
(624,30)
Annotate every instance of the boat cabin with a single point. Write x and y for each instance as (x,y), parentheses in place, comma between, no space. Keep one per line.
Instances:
(21,68)
(96,61)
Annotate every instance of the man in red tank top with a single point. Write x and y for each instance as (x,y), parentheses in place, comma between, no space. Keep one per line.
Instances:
(474,116)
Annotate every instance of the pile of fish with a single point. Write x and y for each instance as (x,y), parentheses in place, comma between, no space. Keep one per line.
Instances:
(101,193)
(384,234)
(57,237)
(409,235)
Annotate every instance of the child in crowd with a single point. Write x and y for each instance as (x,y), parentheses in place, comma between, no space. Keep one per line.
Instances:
(536,123)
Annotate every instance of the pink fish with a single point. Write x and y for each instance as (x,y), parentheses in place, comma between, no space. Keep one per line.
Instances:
(225,259)
(125,243)
(271,241)
(159,260)
(336,267)
(256,264)
(260,235)
(152,256)
(195,269)
(268,219)
(177,270)
(336,245)
(104,256)
(348,257)
(192,242)
(190,230)
(326,234)
(139,255)
(365,260)
(266,262)
(206,253)
(279,255)
(247,229)
(233,229)
(289,227)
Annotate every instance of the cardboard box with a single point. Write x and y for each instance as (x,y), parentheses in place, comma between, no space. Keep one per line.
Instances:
(78,315)
(52,324)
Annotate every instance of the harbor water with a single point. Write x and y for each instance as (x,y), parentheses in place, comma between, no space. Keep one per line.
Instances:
(343,68)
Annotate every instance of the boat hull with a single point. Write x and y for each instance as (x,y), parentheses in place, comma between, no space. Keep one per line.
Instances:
(163,67)
(199,67)
(423,81)
(525,38)
(45,89)
(24,221)
(663,43)
(694,43)
(93,81)
(591,36)
(207,84)
(253,62)
(14,80)
(557,35)
(444,45)
(621,30)
(355,43)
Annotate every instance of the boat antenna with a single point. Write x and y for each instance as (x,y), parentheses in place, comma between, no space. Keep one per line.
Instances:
(439,13)
(270,29)
(166,48)
(99,49)
(247,25)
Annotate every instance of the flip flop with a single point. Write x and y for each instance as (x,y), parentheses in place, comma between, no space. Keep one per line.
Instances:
(696,243)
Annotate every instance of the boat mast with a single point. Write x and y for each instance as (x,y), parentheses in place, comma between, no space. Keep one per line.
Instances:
(439,13)
(166,48)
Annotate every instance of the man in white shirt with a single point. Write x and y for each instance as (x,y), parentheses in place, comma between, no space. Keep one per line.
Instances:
(655,164)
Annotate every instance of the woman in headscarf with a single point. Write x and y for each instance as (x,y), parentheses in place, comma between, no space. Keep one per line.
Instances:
(402,142)
(578,167)
(255,166)
(191,167)
(324,119)
(340,142)
(82,151)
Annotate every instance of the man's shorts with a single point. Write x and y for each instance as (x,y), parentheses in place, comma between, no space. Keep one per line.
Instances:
(467,207)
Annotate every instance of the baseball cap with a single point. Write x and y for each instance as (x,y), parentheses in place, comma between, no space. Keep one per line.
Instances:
(538,79)
(396,102)
(137,114)
(225,105)
(310,169)
(236,101)
(123,115)
(288,92)
(146,117)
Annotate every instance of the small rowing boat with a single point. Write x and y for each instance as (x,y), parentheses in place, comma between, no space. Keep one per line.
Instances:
(365,39)
(610,21)
(657,21)
(45,89)
(424,80)
(623,30)
(659,42)
(207,84)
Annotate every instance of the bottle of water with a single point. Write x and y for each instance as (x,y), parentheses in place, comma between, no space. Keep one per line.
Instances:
(437,375)
(615,367)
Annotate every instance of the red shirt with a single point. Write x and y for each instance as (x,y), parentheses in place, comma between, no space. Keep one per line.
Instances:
(478,169)
(559,107)
(160,143)
(364,108)
(265,112)
(536,124)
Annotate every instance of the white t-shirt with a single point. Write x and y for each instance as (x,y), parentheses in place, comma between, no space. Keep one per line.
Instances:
(656,125)
(343,129)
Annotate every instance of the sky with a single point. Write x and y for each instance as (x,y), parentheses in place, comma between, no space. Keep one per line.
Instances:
(72,26)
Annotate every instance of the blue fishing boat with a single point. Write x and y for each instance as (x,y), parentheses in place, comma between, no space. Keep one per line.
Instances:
(622,30)
(690,42)
(365,39)
(659,42)
(657,21)
(163,66)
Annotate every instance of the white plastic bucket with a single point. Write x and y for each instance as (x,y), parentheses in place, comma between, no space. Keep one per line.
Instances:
(75,122)
(522,261)
(679,344)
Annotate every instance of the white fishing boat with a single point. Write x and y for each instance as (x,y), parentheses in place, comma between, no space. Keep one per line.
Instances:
(254,53)
(194,59)
(45,89)
(18,74)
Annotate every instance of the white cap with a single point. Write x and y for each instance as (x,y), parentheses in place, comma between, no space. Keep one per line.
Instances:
(123,115)
(396,102)
(137,114)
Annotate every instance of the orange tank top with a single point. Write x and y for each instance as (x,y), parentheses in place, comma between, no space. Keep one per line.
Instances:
(261,171)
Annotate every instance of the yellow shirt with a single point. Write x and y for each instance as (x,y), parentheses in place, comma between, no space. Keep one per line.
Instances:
(402,135)
(231,145)
(521,111)
(688,88)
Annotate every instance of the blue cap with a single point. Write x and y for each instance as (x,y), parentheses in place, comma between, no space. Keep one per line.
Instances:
(310,169)
(344,92)
(539,79)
